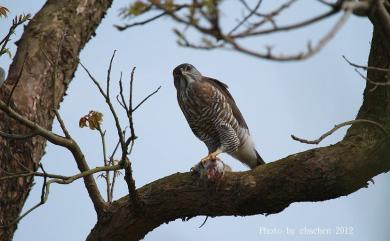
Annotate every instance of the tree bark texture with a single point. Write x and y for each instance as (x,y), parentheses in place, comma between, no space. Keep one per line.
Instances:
(46,59)
(314,175)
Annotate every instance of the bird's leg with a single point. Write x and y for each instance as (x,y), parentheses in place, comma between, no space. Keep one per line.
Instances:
(211,156)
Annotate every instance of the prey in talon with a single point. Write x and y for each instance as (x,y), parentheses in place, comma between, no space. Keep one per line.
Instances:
(212,169)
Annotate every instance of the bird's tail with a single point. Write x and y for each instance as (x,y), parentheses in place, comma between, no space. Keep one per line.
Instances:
(260,160)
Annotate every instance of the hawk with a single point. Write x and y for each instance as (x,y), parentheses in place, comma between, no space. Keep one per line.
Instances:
(213,116)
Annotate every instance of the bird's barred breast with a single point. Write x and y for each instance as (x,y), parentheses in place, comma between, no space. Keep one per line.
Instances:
(206,110)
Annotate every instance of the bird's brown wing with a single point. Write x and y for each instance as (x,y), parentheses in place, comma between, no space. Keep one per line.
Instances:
(224,89)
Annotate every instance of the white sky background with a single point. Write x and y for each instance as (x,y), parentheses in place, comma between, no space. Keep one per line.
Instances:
(277,100)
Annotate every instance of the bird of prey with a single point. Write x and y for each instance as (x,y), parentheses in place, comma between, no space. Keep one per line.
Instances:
(213,116)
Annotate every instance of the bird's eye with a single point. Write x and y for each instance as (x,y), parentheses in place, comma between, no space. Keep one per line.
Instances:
(187,68)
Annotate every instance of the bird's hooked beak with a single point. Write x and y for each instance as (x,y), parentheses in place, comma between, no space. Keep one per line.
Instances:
(183,72)
(190,75)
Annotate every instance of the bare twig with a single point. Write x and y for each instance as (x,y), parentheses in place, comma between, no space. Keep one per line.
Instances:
(365,67)
(338,126)
(35,174)
(269,17)
(15,23)
(326,3)
(184,42)
(376,84)
(348,6)
(41,202)
(248,16)
(146,98)
(18,136)
(124,160)
(122,101)
(126,26)
(204,222)
(300,56)
(62,124)
(65,179)
(106,163)
(111,107)
(50,136)
(116,173)
(164,13)
(131,123)
(44,184)
(55,179)
(109,75)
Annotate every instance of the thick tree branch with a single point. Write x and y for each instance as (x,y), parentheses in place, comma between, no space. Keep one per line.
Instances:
(315,175)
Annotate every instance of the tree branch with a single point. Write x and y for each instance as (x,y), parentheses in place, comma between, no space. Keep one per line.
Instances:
(338,126)
(71,145)
(18,136)
(300,56)
(207,24)
(365,67)
(315,175)
(55,179)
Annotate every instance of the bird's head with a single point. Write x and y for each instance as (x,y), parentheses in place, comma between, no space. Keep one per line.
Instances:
(185,74)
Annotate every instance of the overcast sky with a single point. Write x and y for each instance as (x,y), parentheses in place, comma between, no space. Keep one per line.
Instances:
(277,99)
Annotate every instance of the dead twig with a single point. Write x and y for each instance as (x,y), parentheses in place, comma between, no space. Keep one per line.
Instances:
(371,81)
(55,179)
(300,56)
(365,67)
(62,124)
(17,136)
(338,126)
(41,202)
(17,21)
(146,98)
(106,163)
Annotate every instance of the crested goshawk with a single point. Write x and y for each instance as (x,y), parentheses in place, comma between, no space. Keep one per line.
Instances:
(213,116)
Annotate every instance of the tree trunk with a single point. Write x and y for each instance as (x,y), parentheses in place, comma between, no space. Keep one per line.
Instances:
(314,175)
(46,59)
